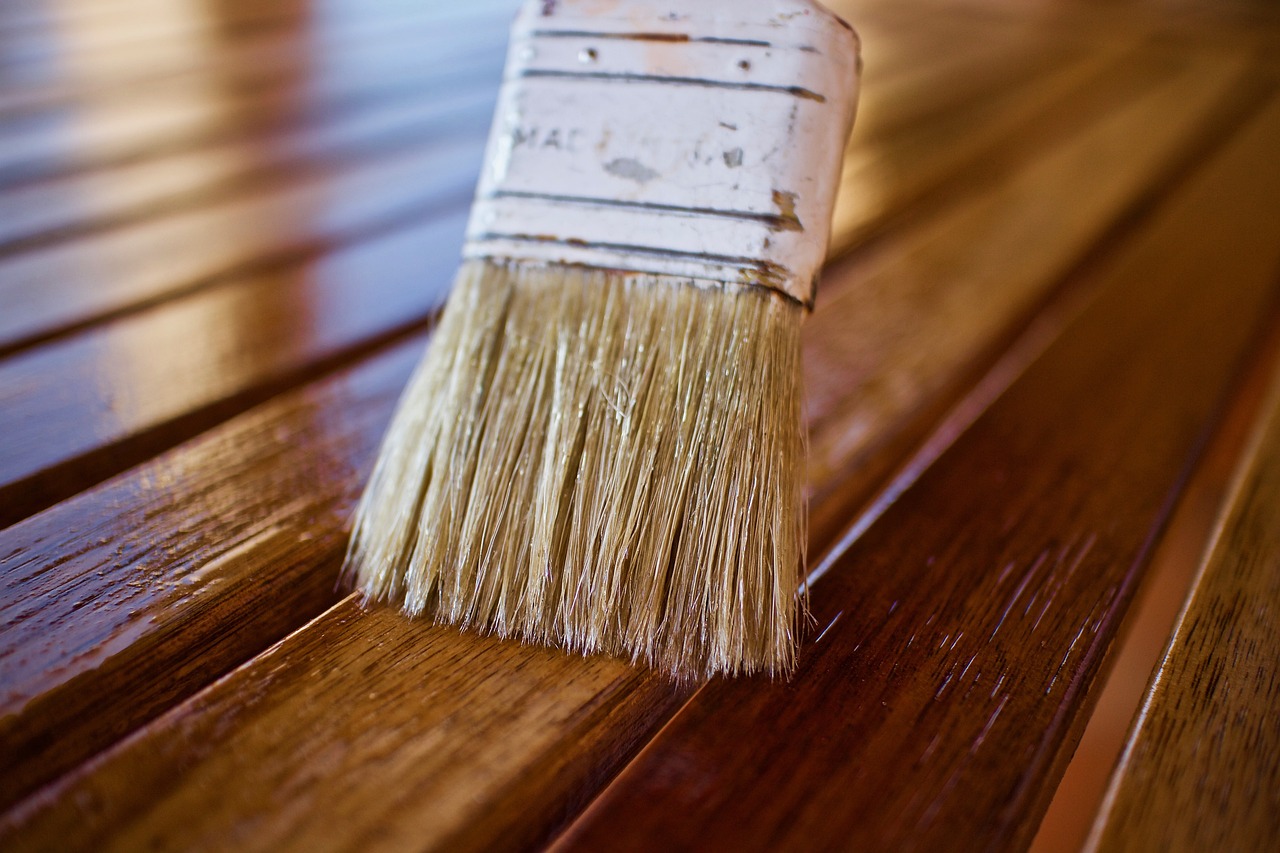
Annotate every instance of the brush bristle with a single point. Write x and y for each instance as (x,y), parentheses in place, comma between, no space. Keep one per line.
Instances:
(599,461)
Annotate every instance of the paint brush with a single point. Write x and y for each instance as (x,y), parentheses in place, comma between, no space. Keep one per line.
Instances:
(602,448)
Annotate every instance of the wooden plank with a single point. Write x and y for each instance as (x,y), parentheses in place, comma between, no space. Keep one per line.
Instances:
(1145,633)
(123,130)
(194,561)
(975,57)
(886,172)
(136,123)
(60,210)
(145,114)
(875,357)
(130,597)
(422,712)
(112,21)
(454,718)
(886,180)
(1195,20)
(959,635)
(900,45)
(44,309)
(1201,769)
(84,62)
(64,287)
(178,113)
(131,388)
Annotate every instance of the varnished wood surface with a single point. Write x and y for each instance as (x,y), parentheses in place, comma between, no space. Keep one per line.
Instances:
(953,635)
(906,340)
(222,236)
(188,45)
(225,90)
(157,235)
(1201,770)
(226,349)
(229,542)
(1106,188)
(222,243)
(1160,598)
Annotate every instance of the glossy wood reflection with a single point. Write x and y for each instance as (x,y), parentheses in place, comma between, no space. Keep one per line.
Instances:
(363,265)
(958,638)
(225,350)
(168,577)
(225,230)
(1201,770)
(1160,598)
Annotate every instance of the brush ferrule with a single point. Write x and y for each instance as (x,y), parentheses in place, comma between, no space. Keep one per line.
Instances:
(701,141)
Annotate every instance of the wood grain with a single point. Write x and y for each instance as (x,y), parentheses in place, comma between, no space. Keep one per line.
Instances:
(66,286)
(446,791)
(885,173)
(155,185)
(403,702)
(109,21)
(957,638)
(224,350)
(899,176)
(906,334)
(119,603)
(1201,769)
(169,115)
(68,207)
(200,48)
(29,553)
(201,245)
(916,67)
(1163,592)
(203,219)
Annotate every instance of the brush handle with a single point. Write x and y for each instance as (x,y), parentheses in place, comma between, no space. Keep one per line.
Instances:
(702,141)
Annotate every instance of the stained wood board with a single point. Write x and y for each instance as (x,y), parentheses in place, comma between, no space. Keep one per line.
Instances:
(220,179)
(122,601)
(119,402)
(958,637)
(64,286)
(1201,768)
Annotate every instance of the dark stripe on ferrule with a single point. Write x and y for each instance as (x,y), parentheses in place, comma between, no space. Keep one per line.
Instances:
(772,221)
(794,91)
(668,37)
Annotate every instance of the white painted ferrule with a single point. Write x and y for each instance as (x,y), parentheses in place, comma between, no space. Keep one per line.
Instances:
(700,139)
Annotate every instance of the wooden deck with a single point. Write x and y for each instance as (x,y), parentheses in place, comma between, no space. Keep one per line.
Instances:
(1043,397)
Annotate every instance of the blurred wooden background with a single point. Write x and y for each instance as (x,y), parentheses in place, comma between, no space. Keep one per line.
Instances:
(1042,400)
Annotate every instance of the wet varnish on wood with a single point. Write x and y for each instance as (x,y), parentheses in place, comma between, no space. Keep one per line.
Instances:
(224,237)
